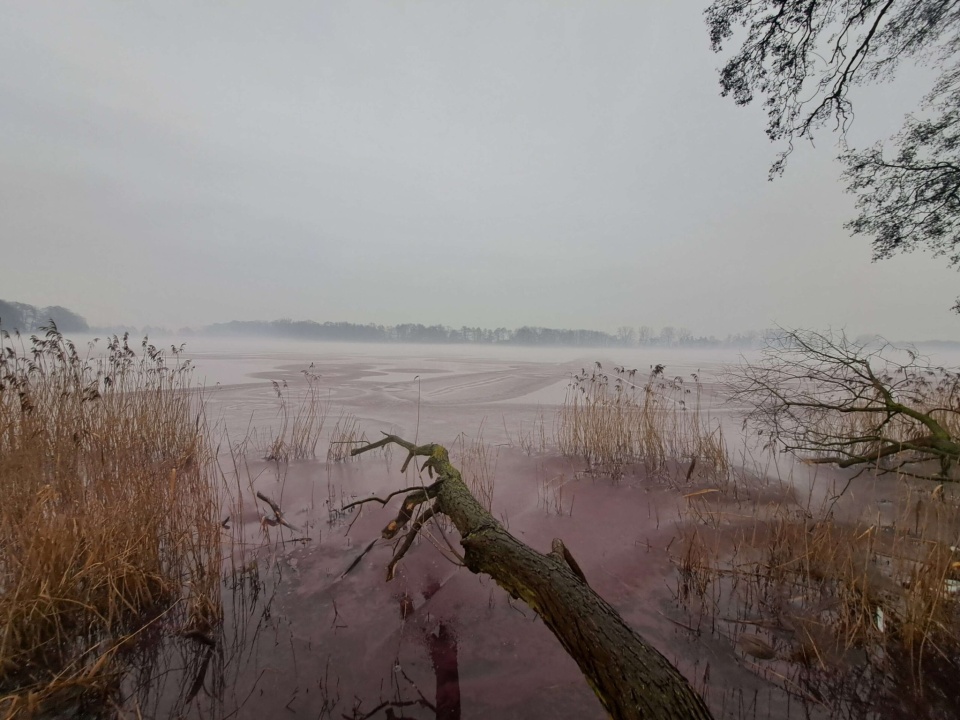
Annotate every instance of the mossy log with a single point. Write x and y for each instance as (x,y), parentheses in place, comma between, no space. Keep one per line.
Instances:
(629,676)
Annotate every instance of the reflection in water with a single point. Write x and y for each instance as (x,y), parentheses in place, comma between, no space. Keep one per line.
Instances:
(297,642)
(443,654)
(174,675)
(350,648)
(268,655)
(442,646)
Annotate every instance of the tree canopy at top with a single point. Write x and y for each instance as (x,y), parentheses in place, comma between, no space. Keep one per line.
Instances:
(805,56)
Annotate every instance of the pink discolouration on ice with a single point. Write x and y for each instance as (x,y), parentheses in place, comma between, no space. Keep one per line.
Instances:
(362,640)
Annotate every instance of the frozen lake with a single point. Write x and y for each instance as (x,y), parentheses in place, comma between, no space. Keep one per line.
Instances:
(310,631)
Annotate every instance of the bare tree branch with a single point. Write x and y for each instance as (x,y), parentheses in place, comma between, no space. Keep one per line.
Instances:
(831,400)
(630,677)
(804,57)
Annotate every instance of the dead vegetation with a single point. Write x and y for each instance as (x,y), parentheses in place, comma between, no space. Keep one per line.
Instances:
(478,465)
(109,522)
(845,598)
(850,608)
(612,422)
(550,495)
(346,435)
(532,437)
(302,418)
(832,400)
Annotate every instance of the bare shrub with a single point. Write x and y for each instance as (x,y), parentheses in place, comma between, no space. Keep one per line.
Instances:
(832,400)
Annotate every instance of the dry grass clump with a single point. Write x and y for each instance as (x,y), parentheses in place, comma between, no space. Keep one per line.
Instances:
(551,498)
(859,615)
(300,427)
(533,437)
(346,435)
(108,523)
(613,423)
(478,466)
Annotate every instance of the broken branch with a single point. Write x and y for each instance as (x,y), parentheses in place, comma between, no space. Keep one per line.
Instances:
(277,518)
(630,677)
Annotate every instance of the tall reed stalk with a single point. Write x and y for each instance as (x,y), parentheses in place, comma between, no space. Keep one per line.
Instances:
(109,514)
(612,422)
(851,604)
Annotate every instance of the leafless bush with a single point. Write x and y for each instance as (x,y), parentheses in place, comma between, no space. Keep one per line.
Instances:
(832,400)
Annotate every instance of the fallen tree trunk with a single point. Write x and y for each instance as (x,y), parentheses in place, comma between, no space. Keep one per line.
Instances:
(630,677)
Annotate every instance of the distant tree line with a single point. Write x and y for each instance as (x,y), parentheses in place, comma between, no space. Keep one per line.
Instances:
(643,336)
(25,318)
(28,318)
(15,316)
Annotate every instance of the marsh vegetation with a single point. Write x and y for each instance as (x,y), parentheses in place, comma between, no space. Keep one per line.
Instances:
(109,523)
(156,562)
(613,422)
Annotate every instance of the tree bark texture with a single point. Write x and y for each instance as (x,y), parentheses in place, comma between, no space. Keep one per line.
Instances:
(629,676)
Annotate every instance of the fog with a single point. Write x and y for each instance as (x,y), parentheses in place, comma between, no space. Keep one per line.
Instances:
(504,164)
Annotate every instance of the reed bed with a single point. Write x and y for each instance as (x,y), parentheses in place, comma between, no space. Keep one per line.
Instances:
(851,609)
(109,525)
(613,422)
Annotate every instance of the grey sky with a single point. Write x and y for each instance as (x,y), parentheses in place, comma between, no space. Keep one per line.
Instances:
(494,164)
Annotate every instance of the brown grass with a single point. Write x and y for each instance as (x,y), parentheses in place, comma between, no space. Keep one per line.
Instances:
(612,422)
(108,523)
(346,435)
(478,466)
(845,603)
(302,417)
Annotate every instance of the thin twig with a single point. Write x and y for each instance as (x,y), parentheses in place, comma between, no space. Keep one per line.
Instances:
(384,501)
(408,540)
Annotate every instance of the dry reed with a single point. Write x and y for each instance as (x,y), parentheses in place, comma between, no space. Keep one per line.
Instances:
(302,418)
(551,498)
(346,435)
(533,438)
(109,517)
(612,423)
(478,466)
(847,607)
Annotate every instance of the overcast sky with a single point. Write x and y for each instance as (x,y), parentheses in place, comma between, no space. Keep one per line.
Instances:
(492,164)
